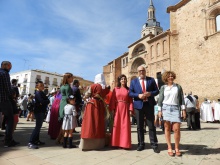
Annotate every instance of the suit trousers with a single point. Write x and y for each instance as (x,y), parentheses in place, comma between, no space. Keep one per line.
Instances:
(191,117)
(148,112)
(7,110)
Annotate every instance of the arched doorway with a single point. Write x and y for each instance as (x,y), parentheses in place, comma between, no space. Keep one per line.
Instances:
(137,62)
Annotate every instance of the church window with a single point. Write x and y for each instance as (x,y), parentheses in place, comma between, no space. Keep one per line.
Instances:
(138,49)
(164,47)
(213,22)
(218,23)
(111,68)
(151,51)
(123,62)
(158,49)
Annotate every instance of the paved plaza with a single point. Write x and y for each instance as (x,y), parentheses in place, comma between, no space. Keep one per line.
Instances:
(200,147)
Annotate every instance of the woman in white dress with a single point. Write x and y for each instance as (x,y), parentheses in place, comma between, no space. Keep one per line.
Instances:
(69,121)
(206,111)
(217,110)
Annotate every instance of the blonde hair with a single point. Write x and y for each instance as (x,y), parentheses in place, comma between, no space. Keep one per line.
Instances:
(66,76)
(166,75)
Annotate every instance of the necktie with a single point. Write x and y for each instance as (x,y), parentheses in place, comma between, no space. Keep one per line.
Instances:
(143,86)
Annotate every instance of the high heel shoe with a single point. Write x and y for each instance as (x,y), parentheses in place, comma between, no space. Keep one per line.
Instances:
(170,152)
(177,152)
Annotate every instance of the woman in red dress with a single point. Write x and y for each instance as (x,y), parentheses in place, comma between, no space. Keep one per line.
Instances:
(122,106)
(93,125)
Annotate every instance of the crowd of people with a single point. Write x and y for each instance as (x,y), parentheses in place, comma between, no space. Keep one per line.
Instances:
(100,108)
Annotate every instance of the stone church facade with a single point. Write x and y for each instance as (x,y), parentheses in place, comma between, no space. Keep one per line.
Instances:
(190,48)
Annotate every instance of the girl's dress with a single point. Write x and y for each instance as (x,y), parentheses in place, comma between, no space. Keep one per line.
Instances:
(69,120)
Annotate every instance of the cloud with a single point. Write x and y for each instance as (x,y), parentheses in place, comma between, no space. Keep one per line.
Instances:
(76,36)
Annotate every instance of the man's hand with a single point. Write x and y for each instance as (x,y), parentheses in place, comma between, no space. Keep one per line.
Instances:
(147,94)
(142,96)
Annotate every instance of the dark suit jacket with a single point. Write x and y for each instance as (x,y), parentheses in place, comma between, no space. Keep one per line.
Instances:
(135,90)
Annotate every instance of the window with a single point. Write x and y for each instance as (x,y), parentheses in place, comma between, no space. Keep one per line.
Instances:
(212,21)
(55,81)
(158,49)
(38,78)
(151,51)
(123,62)
(47,81)
(140,48)
(217,23)
(164,47)
(111,67)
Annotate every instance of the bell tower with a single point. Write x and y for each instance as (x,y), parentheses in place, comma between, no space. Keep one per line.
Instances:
(151,26)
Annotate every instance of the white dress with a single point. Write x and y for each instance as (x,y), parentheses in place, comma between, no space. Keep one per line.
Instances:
(217,111)
(206,112)
(69,120)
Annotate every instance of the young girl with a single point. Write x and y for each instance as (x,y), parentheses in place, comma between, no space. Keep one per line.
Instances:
(69,121)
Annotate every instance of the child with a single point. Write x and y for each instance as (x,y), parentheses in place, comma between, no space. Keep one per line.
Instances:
(40,107)
(69,121)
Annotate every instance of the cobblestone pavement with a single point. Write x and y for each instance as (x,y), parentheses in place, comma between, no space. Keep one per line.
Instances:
(200,147)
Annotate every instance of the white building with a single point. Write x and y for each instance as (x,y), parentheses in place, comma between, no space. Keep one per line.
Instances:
(27,80)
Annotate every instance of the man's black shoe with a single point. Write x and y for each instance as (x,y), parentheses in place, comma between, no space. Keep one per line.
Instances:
(11,144)
(156,150)
(39,143)
(14,143)
(140,148)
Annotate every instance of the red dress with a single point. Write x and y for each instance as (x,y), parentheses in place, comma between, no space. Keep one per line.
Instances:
(93,125)
(54,125)
(121,103)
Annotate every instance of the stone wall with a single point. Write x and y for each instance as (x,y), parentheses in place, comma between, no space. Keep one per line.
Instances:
(194,55)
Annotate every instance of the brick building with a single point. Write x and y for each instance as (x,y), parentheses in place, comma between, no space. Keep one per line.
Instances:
(189,47)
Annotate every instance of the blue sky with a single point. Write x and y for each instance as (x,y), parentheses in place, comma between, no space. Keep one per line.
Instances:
(78,36)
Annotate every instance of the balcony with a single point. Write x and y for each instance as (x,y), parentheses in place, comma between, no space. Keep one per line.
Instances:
(47,82)
(54,83)
(25,80)
(37,79)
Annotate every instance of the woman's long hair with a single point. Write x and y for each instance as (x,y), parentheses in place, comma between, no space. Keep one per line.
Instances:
(66,76)
(119,83)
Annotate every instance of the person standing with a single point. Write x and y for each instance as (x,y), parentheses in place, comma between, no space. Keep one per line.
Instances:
(121,104)
(197,114)
(77,95)
(41,103)
(206,111)
(30,107)
(190,103)
(23,105)
(143,90)
(65,91)
(69,122)
(93,124)
(170,103)
(54,124)
(6,102)
(217,111)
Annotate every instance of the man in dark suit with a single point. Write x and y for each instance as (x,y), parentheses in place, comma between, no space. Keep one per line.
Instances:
(142,90)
